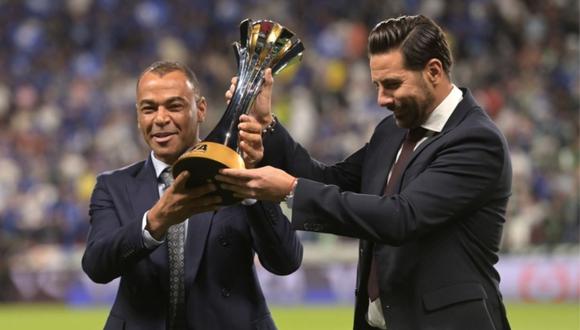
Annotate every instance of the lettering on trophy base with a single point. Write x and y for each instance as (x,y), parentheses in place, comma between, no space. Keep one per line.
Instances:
(263,44)
(204,161)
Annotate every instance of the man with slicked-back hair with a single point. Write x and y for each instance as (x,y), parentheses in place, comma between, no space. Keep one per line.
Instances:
(426,196)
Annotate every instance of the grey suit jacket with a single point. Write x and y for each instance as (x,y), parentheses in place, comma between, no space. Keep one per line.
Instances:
(436,241)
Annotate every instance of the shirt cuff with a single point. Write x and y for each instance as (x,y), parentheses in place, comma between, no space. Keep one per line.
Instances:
(249,201)
(289,199)
(148,239)
(375,317)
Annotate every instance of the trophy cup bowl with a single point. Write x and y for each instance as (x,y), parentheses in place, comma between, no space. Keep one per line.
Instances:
(263,44)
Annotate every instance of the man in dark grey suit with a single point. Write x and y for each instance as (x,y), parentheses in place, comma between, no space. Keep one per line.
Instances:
(202,275)
(426,195)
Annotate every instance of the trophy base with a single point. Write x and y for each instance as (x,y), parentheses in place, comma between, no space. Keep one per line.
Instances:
(204,161)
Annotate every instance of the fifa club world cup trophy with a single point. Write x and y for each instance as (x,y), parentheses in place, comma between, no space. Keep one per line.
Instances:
(263,44)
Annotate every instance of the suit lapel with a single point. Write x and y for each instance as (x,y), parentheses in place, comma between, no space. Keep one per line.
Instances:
(197,231)
(460,112)
(463,108)
(143,192)
(145,187)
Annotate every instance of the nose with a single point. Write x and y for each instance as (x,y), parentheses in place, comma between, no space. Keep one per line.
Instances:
(385,98)
(161,116)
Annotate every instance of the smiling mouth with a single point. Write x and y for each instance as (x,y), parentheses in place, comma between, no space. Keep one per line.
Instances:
(162,137)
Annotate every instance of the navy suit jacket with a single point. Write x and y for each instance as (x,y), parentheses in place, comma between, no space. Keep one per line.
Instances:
(436,241)
(222,289)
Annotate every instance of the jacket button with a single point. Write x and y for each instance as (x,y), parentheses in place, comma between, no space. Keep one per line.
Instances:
(225,292)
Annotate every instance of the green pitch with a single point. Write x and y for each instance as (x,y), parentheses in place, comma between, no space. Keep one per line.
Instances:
(58,317)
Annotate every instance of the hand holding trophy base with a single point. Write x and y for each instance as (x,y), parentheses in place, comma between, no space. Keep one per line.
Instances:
(204,161)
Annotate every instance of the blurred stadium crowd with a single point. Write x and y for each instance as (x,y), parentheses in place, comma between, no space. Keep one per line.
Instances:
(67,91)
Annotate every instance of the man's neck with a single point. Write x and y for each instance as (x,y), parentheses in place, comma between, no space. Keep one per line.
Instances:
(442,91)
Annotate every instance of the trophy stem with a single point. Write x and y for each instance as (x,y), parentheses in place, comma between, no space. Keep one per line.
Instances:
(223,131)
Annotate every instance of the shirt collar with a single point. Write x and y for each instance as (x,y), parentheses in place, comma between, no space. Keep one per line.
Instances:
(158,165)
(438,118)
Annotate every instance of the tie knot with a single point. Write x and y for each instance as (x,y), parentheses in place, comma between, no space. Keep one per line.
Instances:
(416,134)
(166,177)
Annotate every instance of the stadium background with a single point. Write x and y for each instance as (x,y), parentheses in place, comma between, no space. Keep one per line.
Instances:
(67,84)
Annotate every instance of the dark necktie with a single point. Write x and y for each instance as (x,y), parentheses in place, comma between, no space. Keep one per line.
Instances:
(413,136)
(175,246)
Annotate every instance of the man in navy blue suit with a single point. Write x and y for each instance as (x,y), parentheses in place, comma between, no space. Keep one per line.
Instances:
(426,195)
(206,278)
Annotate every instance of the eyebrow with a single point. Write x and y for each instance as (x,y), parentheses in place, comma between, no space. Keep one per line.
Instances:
(169,100)
(389,81)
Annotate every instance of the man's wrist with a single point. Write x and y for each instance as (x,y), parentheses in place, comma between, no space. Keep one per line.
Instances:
(156,230)
(149,241)
(269,124)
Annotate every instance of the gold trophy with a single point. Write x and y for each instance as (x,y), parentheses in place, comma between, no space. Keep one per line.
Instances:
(263,44)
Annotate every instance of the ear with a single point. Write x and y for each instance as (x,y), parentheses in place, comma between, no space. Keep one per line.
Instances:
(201,108)
(434,71)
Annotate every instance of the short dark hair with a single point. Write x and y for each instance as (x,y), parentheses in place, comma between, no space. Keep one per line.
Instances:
(162,68)
(418,37)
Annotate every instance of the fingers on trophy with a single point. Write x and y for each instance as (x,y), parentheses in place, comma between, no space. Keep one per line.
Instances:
(263,44)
